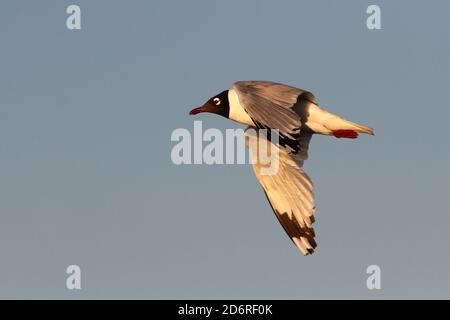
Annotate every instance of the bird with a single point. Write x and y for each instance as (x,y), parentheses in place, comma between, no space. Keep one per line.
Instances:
(296,115)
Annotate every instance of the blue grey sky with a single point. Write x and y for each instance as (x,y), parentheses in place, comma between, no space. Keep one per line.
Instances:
(86,176)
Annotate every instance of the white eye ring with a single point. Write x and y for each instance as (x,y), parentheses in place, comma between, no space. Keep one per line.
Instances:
(216,101)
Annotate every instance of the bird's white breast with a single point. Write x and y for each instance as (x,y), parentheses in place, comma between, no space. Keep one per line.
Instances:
(237,112)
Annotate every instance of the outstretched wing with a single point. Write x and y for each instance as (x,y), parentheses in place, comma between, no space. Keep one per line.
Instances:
(270,104)
(288,189)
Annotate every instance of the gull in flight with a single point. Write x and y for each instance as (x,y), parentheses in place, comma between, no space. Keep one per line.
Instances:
(296,116)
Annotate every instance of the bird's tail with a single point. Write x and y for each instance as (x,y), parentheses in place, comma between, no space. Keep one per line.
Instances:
(339,123)
(360,128)
(342,128)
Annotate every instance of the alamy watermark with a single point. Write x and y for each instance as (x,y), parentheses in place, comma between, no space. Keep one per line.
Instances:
(373,21)
(73,21)
(213,147)
(73,281)
(373,281)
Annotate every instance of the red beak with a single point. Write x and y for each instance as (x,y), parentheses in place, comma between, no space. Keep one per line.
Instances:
(196,110)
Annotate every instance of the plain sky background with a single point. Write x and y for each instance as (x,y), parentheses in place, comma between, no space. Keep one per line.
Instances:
(85,170)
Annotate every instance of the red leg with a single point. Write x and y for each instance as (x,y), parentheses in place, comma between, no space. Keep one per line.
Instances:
(349,134)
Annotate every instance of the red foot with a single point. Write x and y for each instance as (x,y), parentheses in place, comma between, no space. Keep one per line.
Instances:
(349,134)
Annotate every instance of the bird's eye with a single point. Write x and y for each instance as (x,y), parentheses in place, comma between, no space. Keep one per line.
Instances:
(216,101)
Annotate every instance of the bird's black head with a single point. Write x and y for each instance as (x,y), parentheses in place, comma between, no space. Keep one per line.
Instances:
(218,104)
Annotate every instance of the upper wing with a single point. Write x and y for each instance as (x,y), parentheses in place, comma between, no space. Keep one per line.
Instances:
(289,190)
(269,104)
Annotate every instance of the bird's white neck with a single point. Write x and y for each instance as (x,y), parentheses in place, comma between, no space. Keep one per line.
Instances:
(237,112)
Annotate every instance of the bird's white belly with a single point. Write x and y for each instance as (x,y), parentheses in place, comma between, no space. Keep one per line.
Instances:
(237,112)
(317,119)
